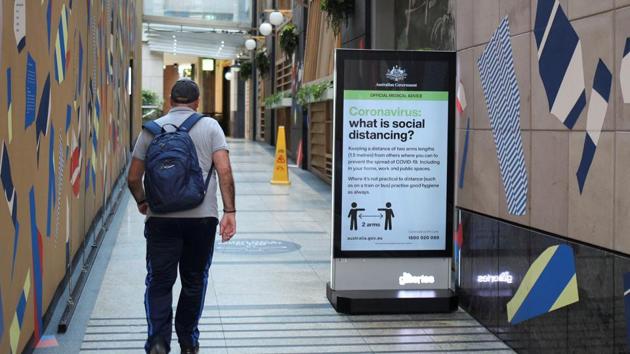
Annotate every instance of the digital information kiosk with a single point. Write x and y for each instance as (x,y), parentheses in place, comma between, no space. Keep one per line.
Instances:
(393,182)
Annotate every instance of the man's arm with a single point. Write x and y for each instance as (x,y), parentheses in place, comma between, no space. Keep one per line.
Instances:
(221,161)
(134,182)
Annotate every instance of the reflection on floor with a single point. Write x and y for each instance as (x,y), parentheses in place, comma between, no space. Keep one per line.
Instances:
(267,289)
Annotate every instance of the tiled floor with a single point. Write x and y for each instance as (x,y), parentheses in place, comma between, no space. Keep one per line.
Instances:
(267,289)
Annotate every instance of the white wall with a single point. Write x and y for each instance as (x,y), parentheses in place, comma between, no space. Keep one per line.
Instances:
(170,59)
(234,92)
(152,70)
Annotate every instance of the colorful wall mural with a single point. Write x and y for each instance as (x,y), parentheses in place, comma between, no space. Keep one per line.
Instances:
(566,250)
(572,118)
(65,126)
(498,79)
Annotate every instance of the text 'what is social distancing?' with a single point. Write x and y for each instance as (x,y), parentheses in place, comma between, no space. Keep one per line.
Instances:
(402,130)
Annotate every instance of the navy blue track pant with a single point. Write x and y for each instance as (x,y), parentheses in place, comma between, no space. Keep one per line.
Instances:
(189,243)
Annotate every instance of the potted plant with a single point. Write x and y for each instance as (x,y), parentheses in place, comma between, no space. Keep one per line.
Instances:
(278,99)
(263,63)
(337,12)
(246,71)
(312,93)
(289,39)
(151,105)
(273,100)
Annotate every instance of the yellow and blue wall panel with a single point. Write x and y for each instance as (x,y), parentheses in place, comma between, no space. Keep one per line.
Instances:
(549,284)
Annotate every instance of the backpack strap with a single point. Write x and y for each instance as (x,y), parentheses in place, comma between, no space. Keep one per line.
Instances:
(209,176)
(152,127)
(190,122)
(156,129)
(186,126)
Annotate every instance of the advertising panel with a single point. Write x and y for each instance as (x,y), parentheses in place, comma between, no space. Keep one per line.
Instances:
(394,152)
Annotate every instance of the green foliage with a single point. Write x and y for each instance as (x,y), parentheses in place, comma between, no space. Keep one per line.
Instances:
(289,39)
(150,98)
(272,100)
(337,12)
(246,71)
(312,93)
(151,105)
(276,98)
(263,63)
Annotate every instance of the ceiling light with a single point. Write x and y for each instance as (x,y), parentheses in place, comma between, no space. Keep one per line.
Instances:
(250,44)
(276,18)
(265,28)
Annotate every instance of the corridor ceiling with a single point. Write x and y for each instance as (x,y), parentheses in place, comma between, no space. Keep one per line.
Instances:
(205,28)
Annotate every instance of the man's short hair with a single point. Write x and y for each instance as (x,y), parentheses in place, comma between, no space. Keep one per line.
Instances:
(185,91)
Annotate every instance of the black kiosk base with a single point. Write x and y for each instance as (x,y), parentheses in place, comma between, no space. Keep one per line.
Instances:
(364,302)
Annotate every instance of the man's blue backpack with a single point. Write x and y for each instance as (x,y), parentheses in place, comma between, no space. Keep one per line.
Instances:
(173,180)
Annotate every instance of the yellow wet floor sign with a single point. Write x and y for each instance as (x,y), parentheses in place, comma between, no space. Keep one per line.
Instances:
(280,166)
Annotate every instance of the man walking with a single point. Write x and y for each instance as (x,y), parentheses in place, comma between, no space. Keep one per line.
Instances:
(185,238)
